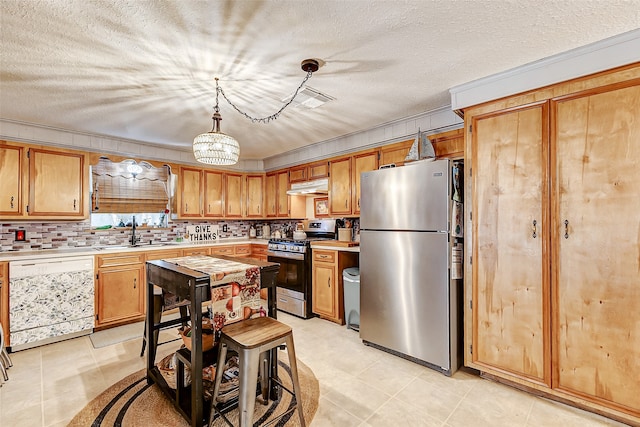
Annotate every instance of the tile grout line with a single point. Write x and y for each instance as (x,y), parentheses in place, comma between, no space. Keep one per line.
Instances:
(458,405)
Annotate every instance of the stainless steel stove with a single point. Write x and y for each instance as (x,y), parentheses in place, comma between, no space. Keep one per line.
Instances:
(294,256)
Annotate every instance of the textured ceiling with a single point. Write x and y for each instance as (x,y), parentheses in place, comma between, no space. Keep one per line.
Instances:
(144,70)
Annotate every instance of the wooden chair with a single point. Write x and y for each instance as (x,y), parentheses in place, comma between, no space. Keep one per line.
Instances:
(252,339)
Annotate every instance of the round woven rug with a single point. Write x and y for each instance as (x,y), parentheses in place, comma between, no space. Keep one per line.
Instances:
(132,403)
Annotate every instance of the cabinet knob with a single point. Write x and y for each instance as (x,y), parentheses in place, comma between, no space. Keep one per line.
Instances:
(534,229)
(566,228)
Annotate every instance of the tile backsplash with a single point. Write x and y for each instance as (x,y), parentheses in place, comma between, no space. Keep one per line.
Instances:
(55,235)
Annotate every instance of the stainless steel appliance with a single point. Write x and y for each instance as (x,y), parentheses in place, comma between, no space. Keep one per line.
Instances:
(410,304)
(294,256)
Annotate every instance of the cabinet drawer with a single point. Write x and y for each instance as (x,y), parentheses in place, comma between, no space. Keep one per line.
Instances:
(223,250)
(243,250)
(324,256)
(196,251)
(153,255)
(259,250)
(117,260)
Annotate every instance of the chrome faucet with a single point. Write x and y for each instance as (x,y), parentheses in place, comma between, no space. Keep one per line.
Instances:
(134,240)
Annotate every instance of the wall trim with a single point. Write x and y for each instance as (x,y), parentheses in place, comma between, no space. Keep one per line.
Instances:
(603,55)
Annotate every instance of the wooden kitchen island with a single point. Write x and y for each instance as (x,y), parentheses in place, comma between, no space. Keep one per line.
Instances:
(195,286)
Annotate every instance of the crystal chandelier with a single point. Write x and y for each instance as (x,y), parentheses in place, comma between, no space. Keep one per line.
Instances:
(217,148)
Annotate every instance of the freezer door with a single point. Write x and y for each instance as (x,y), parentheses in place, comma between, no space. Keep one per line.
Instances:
(404,301)
(412,197)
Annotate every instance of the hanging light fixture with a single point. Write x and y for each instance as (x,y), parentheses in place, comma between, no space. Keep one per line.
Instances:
(217,148)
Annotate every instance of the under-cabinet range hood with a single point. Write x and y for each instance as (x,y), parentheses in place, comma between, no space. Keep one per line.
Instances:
(320,186)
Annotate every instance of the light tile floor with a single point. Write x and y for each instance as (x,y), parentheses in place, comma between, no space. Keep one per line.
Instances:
(359,385)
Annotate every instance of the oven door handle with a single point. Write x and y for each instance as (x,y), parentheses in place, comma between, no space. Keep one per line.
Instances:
(288,255)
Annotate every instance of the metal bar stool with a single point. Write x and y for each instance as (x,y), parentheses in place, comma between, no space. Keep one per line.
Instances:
(252,339)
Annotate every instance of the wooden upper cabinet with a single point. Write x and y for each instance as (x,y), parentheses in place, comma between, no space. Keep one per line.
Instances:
(299,173)
(57,183)
(510,279)
(318,170)
(12,177)
(190,184)
(270,194)
(448,144)
(282,183)
(233,195)
(395,153)
(361,163)
(340,186)
(309,171)
(255,206)
(213,194)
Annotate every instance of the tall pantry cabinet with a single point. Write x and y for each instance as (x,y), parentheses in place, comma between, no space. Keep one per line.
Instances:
(555,258)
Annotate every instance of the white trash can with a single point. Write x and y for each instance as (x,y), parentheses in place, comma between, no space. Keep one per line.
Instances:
(351,280)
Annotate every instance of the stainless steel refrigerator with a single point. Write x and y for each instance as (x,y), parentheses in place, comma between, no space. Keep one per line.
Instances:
(410,290)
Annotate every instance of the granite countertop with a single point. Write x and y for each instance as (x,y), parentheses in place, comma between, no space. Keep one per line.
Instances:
(105,249)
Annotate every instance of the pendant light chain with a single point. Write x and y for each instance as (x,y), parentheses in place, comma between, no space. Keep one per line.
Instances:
(263,119)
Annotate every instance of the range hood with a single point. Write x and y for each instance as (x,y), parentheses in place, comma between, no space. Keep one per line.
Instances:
(320,186)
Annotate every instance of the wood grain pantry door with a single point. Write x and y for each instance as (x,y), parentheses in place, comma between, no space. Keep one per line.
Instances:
(596,235)
(510,211)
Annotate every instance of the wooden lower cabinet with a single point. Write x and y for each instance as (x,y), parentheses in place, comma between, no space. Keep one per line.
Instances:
(259,252)
(242,250)
(121,289)
(327,286)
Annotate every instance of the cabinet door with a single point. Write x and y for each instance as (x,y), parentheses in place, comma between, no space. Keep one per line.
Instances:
(270,195)
(510,279)
(213,194)
(323,289)
(596,293)
(283,198)
(318,170)
(340,187)
(191,192)
(395,153)
(233,195)
(11,176)
(361,163)
(298,174)
(255,208)
(56,183)
(120,294)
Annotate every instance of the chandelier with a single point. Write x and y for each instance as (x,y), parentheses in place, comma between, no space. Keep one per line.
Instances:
(217,148)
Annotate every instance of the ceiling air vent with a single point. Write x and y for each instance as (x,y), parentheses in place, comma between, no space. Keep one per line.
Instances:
(309,97)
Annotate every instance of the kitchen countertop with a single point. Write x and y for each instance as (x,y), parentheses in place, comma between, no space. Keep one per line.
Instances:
(105,249)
